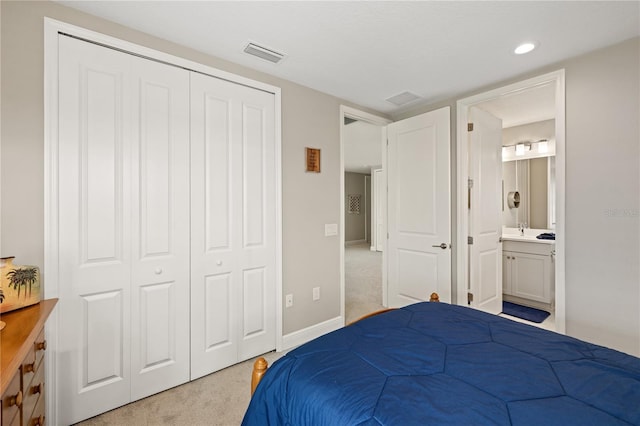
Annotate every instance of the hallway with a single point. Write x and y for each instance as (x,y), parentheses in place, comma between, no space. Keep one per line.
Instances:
(363,281)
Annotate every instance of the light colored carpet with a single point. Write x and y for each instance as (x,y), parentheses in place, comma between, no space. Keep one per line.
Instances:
(221,398)
(218,399)
(363,281)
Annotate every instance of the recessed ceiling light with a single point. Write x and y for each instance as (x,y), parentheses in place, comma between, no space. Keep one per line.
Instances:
(524,48)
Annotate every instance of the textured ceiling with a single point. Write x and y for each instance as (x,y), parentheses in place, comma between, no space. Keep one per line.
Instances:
(366,52)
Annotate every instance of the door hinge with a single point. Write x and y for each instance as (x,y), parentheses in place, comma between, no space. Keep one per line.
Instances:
(470,240)
(469,298)
(469,127)
(469,183)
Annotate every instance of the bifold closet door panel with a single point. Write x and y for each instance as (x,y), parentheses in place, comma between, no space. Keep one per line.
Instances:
(123,165)
(232,223)
(160,283)
(94,230)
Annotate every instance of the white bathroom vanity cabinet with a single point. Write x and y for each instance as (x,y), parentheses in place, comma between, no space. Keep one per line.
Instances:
(528,269)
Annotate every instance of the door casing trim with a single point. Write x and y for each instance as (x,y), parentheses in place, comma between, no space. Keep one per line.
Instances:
(558,79)
(346,111)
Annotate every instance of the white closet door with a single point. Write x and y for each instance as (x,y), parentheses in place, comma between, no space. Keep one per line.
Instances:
(124,228)
(94,230)
(233,223)
(160,228)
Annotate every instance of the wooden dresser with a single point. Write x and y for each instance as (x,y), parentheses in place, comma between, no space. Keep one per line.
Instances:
(22,377)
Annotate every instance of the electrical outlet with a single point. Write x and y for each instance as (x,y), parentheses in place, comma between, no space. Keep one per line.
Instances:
(316,293)
(288,300)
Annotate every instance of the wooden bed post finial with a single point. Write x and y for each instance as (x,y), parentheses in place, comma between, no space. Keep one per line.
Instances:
(434,297)
(259,368)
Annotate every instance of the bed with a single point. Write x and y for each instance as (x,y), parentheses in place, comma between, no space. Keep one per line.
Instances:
(435,363)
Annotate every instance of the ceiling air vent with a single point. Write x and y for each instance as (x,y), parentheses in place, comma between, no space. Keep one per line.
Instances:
(263,53)
(403,98)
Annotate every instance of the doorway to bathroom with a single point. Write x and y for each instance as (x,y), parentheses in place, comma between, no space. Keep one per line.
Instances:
(493,179)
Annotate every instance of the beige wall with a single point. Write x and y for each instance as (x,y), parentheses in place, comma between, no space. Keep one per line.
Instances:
(354,224)
(538,193)
(602,193)
(309,118)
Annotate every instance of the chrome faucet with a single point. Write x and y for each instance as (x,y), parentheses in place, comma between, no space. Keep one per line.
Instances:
(522,226)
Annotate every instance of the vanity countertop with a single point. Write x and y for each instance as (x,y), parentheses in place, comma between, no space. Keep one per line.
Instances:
(513,234)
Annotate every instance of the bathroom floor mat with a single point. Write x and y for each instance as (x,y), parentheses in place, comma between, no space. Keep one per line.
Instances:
(524,312)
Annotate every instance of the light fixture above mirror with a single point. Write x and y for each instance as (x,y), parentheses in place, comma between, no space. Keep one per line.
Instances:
(526,149)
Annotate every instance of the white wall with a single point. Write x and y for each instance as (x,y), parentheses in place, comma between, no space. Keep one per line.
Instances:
(362,148)
(603,197)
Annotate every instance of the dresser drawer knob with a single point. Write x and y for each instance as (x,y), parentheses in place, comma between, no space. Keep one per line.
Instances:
(16,400)
(41,346)
(28,368)
(37,389)
(38,421)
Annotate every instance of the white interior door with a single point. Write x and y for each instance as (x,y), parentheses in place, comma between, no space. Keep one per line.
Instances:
(419,212)
(123,209)
(160,227)
(233,223)
(485,225)
(94,227)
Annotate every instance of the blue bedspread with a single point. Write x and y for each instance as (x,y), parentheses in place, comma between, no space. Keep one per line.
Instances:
(441,364)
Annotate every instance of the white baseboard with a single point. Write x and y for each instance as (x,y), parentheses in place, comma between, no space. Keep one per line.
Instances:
(297,338)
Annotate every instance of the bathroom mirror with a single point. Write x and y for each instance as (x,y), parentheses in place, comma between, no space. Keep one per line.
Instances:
(533,178)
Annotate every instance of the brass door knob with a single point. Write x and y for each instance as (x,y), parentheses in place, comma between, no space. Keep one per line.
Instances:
(41,346)
(16,400)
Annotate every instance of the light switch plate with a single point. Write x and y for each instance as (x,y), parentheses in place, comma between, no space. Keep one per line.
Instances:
(330,229)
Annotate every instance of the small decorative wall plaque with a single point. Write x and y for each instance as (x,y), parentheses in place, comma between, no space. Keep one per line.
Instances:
(313,160)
